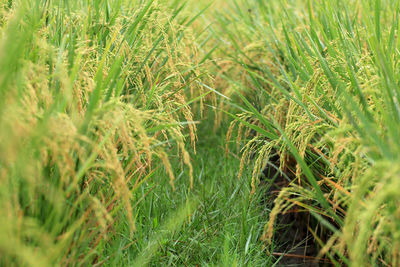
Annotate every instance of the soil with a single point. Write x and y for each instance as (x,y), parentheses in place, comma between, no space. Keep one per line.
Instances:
(297,246)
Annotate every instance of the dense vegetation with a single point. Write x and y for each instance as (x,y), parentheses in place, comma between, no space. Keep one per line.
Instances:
(139,132)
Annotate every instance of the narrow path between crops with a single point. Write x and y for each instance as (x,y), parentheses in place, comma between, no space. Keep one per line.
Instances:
(225,227)
(227,223)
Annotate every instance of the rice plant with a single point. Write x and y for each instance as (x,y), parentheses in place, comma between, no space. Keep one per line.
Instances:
(102,162)
(92,92)
(322,92)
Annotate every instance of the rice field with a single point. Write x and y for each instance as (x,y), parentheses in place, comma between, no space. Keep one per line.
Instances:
(199,133)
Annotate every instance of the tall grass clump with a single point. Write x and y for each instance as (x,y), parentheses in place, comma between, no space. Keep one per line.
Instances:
(320,89)
(91,94)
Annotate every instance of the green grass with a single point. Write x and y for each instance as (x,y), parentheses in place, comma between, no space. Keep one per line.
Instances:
(223,227)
